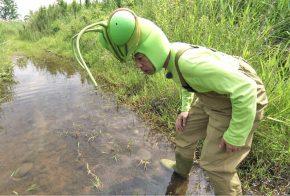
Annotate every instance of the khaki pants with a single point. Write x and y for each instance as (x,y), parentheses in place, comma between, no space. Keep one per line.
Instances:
(210,125)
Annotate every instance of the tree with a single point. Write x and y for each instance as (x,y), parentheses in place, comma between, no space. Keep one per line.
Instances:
(63,6)
(118,3)
(87,3)
(75,8)
(8,9)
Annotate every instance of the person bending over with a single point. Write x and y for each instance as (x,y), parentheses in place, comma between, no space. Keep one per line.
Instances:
(222,97)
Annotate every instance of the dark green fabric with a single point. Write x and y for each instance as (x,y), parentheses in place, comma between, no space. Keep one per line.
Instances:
(183,165)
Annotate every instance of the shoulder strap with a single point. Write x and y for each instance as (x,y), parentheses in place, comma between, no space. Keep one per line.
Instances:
(181,78)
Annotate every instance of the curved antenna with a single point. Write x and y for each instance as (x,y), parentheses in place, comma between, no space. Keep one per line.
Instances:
(115,49)
(76,47)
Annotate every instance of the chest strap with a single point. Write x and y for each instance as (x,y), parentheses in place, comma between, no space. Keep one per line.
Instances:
(184,84)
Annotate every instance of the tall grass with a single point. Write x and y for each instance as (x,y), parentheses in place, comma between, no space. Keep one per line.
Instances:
(8,30)
(255,30)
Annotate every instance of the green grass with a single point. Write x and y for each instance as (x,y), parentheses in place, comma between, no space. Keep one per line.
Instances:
(7,32)
(32,187)
(255,30)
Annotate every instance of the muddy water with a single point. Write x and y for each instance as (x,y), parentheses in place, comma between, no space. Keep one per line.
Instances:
(59,136)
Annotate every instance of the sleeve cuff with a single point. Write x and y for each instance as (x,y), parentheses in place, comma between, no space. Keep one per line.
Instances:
(233,140)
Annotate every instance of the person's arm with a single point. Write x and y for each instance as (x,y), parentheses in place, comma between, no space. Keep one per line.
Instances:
(186,100)
(223,80)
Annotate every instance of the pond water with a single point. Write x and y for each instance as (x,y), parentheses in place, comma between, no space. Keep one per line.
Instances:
(60,136)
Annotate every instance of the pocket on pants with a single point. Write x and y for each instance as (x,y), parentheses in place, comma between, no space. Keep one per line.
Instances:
(219,121)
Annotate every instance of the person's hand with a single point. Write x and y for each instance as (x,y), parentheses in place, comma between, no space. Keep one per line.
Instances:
(181,121)
(228,147)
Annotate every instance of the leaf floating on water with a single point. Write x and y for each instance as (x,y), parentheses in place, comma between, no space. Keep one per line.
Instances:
(15,193)
(130,144)
(14,172)
(116,157)
(78,150)
(144,163)
(96,181)
(93,136)
(32,187)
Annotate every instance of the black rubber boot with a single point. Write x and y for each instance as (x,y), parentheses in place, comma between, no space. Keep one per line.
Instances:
(177,185)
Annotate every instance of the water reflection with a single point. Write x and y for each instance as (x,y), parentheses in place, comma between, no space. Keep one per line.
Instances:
(59,137)
(53,65)
(6,84)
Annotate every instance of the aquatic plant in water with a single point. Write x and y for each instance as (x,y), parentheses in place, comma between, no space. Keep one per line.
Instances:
(144,163)
(96,181)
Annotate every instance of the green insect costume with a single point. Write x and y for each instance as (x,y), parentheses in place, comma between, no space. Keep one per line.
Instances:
(230,97)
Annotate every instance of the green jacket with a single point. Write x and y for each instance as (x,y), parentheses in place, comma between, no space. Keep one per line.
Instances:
(208,71)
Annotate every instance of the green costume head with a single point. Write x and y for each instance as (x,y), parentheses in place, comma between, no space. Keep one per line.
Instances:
(126,34)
